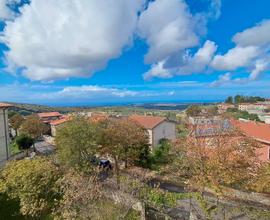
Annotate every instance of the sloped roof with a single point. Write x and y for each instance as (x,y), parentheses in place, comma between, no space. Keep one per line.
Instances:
(60,121)
(148,122)
(256,130)
(4,105)
(49,114)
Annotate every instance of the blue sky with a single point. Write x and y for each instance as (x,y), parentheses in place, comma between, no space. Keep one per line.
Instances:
(85,52)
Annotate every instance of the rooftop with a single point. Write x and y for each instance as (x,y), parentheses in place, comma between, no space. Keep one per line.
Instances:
(60,121)
(5,105)
(49,114)
(148,122)
(256,130)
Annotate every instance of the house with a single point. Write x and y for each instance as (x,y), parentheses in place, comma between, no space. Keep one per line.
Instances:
(207,127)
(55,124)
(4,132)
(254,108)
(47,117)
(223,107)
(260,132)
(157,127)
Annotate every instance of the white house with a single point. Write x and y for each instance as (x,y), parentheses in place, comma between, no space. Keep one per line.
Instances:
(4,133)
(157,127)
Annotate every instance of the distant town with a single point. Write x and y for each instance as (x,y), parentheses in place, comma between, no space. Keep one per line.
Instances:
(157,162)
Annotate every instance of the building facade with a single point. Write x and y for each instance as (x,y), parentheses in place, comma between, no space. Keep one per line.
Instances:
(158,128)
(4,133)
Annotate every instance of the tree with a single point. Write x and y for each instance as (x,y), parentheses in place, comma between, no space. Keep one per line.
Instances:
(24,142)
(218,161)
(16,122)
(80,195)
(229,100)
(261,183)
(212,110)
(125,141)
(193,110)
(77,142)
(33,127)
(33,183)
(238,99)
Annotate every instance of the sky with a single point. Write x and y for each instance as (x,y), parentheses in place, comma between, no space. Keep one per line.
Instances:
(97,52)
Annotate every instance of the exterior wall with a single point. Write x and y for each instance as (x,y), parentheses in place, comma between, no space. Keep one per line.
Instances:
(267,120)
(53,130)
(263,152)
(252,107)
(4,135)
(163,130)
(150,132)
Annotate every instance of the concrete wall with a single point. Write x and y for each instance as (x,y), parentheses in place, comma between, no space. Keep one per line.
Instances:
(263,152)
(166,130)
(4,134)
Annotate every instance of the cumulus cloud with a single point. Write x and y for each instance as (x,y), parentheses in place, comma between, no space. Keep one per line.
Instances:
(251,52)
(235,58)
(184,64)
(157,70)
(222,79)
(57,39)
(173,29)
(200,60)
(5,11)
(258,35)
(260,66)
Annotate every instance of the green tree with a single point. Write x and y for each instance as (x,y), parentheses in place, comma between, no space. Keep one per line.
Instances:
(77,142)
(33,127)
(229,100)
(193,110)
(161,152)
(33,184)
(24,142)
(16,122)
(238,99)
(80,195)
(125,141)
(261,183)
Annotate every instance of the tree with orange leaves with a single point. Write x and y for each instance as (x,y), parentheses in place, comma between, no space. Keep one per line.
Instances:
(218,160)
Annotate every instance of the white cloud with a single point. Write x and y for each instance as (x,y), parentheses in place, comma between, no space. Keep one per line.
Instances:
(200,60)
(5,11)
(57,39)
(235,58)
(260,66)
(251,52)
(222,79)
(168,28)
(183,64)
(215,9)
(157,70)
(258,35)
(93,91)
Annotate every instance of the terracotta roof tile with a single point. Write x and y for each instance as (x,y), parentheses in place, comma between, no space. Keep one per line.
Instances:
(5,105)
(60,121)
(148,122)
(49,114)
(259,131)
